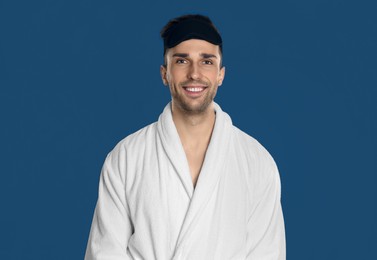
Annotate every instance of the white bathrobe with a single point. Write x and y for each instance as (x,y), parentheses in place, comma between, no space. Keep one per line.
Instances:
(148,208)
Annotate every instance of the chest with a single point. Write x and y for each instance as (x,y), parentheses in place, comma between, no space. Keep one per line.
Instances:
(195,159)
(160,208)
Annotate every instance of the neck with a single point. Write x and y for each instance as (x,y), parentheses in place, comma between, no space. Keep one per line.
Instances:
(194,129)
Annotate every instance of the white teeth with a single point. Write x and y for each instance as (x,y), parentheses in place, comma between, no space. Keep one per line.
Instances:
(194,89)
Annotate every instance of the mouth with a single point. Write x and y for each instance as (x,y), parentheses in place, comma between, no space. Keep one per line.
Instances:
(196,89)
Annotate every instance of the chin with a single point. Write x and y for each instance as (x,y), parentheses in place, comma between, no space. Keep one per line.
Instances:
(197,108)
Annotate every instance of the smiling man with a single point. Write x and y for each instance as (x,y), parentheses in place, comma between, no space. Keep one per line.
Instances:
(193,73)
(191,185)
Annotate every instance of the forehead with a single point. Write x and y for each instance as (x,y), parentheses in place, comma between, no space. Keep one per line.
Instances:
(195,46)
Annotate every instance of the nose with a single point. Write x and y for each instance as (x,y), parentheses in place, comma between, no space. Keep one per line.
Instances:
(194,72)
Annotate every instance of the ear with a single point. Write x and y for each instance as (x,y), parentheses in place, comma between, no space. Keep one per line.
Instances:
(221,76)
(163,75)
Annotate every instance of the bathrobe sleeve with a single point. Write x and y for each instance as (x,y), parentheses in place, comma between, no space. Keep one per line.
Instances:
(111,227)
(266,234)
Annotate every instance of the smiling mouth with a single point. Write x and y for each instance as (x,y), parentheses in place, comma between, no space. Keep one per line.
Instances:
(194,89)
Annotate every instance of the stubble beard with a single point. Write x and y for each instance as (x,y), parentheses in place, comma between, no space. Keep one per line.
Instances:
(189,109)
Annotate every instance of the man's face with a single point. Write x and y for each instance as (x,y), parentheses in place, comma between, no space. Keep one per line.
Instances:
(193,74)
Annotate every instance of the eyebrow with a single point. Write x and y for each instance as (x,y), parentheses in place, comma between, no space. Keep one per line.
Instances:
(180,55)
(204,55)
(207,55)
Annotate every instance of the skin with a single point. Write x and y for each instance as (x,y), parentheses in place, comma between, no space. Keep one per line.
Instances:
(193,64)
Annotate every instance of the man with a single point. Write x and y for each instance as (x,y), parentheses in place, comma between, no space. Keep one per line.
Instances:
(191,185)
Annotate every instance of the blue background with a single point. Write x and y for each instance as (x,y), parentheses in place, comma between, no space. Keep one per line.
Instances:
(78,76)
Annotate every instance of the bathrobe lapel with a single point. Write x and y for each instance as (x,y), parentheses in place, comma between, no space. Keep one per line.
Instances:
(173,148)
(212,169)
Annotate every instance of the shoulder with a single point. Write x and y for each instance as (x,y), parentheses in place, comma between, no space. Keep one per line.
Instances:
(253,148)
(261,166)
(126,155)
(133,144)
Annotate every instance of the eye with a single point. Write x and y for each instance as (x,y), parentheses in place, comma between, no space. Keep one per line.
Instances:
(207,62)
(180,61)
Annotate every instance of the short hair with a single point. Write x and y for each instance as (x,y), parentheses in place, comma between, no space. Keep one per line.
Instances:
(165,32)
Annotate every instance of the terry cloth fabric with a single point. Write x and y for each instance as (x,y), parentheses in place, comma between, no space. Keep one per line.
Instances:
(148,208)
